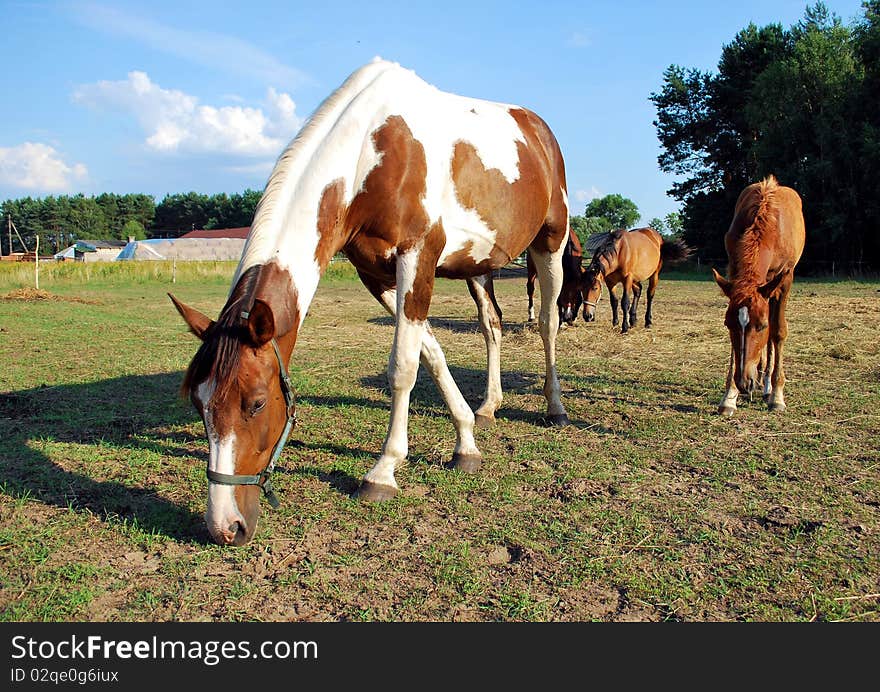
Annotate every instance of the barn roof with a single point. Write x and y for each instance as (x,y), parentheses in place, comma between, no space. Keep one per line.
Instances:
(219,233)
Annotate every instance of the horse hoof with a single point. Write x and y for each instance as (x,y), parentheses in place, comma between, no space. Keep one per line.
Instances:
(482,421)
(648,325)
(776,408)
(467,463)
(558,420)
(374,492)
(726,411)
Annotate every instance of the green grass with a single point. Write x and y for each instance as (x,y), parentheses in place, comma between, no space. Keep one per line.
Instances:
(649,507)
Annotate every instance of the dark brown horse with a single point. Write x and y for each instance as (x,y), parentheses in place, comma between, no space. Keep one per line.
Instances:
(627,258)
(764,243)
(569,301)
(410,183)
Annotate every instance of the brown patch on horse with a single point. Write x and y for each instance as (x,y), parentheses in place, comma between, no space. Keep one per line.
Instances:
(418,299)
(460,264)
(330,214)
(538,135)
(388,212)
(512,210)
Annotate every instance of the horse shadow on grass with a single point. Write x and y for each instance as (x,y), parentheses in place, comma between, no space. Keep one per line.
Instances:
(108,419)
(125,413)
(425,398)
(459,325)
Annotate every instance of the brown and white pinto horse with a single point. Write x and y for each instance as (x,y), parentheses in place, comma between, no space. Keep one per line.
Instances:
(627,258)
(764,243)
(569,301)
(410,183)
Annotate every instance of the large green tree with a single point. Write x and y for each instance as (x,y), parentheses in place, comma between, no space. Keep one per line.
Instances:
(611,212)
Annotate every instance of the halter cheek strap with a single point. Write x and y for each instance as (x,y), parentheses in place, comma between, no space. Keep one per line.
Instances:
(263,479)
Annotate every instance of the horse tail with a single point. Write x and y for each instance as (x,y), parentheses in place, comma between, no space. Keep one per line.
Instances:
(675,250)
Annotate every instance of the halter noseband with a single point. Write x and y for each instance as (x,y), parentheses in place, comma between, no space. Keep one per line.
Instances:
(263,479)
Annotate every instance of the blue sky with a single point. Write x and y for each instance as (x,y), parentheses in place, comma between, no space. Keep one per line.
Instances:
(165,97)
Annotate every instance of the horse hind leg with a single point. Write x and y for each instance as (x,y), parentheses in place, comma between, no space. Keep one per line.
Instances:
(482,291)
(549,268)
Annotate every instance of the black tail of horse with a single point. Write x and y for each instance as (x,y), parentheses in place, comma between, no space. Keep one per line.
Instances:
(674,250)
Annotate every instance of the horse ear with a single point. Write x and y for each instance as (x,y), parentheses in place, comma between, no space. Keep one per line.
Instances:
(770,287)
(197,322)
(722,282)
(261,323)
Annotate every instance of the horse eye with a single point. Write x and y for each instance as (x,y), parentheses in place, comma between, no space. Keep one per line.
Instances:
(257,406)
(761,327)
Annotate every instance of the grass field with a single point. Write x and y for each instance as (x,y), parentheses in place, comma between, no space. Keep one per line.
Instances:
(649,507)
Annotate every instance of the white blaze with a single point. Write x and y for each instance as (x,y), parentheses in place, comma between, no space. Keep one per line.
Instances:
(222,509)
(743,317)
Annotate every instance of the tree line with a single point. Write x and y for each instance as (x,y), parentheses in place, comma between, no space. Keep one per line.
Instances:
(60,221)
(801,103)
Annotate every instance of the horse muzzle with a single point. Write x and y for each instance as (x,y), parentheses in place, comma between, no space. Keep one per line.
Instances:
(746,385)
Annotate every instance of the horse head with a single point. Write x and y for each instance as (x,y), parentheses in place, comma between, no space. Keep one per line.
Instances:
(239,385)
(569,301)
(747,319)
(591,291)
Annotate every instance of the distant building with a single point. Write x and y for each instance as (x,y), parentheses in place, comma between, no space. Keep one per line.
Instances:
(184,248)
(91,251)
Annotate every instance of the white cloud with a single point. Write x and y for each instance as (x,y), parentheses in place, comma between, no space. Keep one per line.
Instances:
(174,121)
(222,52)
(35,166)
(587,195)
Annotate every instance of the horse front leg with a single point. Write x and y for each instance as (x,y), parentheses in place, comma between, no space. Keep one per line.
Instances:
(633,311)
(778,335)
(549,268)
(466,457)
(482,291)
(614,301)
(403,365)
(727,407)
(531,275)
(625,304)
(767,370)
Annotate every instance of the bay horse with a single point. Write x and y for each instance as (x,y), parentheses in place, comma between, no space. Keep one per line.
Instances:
(764,244)
(627,258)
(569,301)
(409,182)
